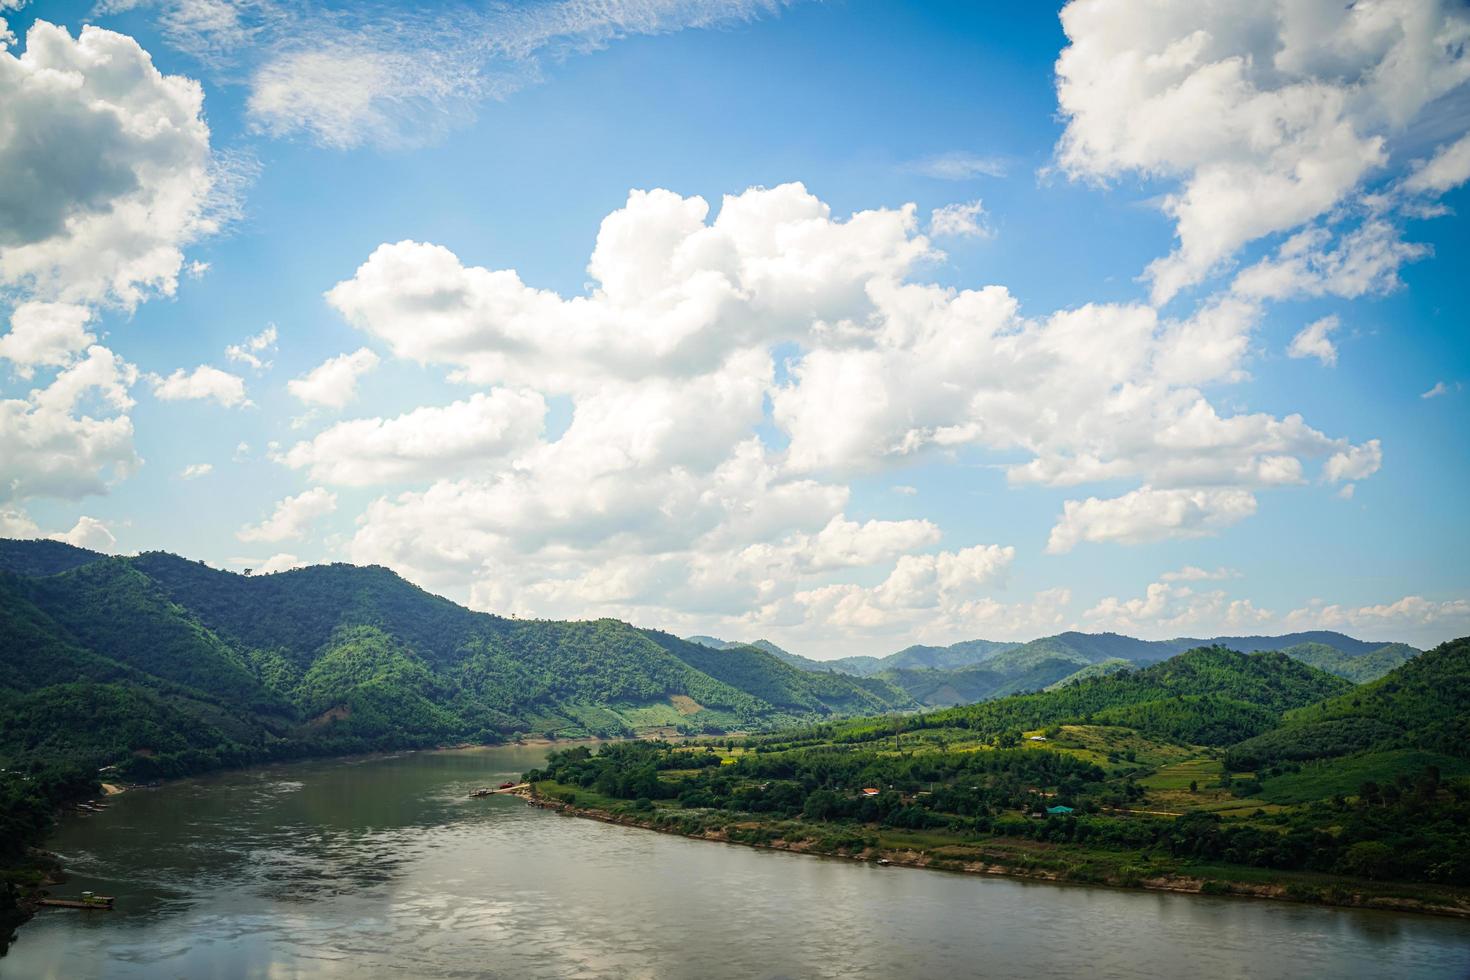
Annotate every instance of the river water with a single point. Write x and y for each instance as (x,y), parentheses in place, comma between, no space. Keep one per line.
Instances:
(383,867)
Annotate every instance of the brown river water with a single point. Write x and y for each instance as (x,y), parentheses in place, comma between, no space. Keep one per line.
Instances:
(383,867)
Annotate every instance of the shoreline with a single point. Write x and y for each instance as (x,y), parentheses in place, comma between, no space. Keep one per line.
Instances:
(1349,896)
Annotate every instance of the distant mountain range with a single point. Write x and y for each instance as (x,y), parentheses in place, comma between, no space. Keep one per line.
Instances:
(977,670)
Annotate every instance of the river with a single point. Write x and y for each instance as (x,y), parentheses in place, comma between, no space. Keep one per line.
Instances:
(383,867)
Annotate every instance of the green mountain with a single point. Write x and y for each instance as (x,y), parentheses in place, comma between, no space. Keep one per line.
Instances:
(162,666)
(1422,704)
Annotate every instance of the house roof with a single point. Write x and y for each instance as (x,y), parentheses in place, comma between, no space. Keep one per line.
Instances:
(1058,809)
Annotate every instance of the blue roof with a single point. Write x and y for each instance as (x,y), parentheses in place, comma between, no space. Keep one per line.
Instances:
(1058,809)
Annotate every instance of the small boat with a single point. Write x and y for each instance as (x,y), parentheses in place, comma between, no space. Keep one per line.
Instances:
(482,791)
(507,785)
(87,901)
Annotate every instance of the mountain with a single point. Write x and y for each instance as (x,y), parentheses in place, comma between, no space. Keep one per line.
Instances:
(978,670)
(163,666)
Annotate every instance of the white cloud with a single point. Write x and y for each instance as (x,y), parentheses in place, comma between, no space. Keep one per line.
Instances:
(1314,263)
(72,437)
(918,583)
(674,296)
(906,490)
(1147,514)
(1446,170)
(1193,573)
(1413,614)
(108,170)
(1268,114)
(424,443)
(195,470)
(204,382)
(1166,611)
(1313,341)
(968,220)
(333,383)
(957,165)
(255,349)
(88,532)
(1354,463)
(661,500)
(292,518)
(1439,390)
(45,334)
(278,563)
(394,76)
(1347,491)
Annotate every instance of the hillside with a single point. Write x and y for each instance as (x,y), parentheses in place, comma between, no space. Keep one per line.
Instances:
(162,665)
(1422,704)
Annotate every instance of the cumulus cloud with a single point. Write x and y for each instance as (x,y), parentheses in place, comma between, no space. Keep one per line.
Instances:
(665,497)
(73,437)
(1315,262)
(88,532)
(1354,463)
(292,517)
(1147,514)
(333,383)
(674,295)
(45,335)
(195,470)
(1313,341)
(1411,615)
(1268,114)
(1169,610)
(108,170)
(278,563)
(204,382)
(968,220)
(424,443)
(254,350)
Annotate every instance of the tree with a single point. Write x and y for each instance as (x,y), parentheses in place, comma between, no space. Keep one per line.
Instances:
(1194,786)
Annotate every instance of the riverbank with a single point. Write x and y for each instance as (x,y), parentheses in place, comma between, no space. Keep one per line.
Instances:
(1027,859)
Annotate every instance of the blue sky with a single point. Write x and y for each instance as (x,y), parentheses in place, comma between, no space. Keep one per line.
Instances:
(797,453)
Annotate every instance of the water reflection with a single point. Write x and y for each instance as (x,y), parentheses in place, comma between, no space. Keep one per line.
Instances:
(384,867)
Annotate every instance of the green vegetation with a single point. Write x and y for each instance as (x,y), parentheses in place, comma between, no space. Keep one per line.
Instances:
(1129,778)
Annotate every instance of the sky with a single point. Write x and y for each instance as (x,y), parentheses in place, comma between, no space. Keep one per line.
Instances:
(848,325)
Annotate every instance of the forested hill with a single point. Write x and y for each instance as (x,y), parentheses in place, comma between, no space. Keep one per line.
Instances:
(162,666)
